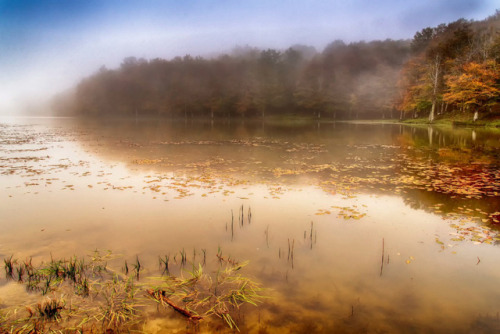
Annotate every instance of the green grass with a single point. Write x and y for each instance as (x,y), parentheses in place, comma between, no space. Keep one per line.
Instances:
(457,119)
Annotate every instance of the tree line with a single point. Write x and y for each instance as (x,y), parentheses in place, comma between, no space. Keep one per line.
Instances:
(449,68)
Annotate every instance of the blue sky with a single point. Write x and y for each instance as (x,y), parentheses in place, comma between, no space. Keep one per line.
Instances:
(49,45)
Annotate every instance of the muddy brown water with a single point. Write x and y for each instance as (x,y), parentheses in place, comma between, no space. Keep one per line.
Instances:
(394,228)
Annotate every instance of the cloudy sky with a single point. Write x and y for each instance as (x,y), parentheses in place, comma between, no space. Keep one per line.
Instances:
(49,45)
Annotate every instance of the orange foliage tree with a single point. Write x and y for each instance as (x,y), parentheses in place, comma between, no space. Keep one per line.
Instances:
(475,87)
(415,88)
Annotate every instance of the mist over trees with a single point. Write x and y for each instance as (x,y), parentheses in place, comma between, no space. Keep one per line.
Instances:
(449,68)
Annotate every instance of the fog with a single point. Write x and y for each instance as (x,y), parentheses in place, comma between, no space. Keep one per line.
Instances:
(48,47)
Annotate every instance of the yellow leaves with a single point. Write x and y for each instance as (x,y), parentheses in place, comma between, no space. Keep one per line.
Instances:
(349,212)
(278,172)
(147,161)
(475,85)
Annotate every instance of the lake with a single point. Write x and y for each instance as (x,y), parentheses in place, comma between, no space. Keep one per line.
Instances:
(350,227)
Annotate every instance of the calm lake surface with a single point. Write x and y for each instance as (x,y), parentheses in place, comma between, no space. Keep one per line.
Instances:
(375,228)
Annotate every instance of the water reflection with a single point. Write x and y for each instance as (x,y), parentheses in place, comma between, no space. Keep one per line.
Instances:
(339,195)
(345,158)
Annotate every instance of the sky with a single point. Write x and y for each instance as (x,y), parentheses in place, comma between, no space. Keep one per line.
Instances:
(48,46)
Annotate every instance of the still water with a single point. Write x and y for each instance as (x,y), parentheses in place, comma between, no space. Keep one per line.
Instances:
(391,228)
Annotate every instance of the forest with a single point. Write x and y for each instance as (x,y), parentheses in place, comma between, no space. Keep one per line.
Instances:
(451,70)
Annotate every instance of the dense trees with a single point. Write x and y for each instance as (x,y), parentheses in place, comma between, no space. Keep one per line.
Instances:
(344,81)
(453,68)
(443,69)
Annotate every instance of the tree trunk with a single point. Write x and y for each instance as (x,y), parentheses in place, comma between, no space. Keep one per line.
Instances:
(431,114)
(434,90)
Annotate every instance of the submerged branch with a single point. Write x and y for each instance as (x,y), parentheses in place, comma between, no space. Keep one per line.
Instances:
(160,296)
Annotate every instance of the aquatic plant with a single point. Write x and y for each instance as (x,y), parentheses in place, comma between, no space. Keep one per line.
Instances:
(9,266)
(92,297)
(201,295)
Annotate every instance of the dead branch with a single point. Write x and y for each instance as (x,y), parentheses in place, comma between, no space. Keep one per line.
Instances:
(160,295)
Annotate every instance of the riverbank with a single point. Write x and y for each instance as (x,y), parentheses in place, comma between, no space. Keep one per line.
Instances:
(455,122)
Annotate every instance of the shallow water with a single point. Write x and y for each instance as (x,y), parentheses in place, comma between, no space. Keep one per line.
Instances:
(393,228)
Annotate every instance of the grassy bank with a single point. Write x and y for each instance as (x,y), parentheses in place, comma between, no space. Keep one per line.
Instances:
(456,121)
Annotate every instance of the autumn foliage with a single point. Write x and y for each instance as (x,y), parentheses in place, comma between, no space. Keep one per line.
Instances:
(475,87)
(454,69)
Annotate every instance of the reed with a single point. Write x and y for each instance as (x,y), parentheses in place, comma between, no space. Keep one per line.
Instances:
(232,226)
(9,266)
(311,234)
(164,264)
(113,302)
(50,309)
(137,267)
(219,255)
(266,232)
(382,262)
(125,268)
(28,266)
(204,256)
(291,249)
(183,257)
(242,221)
(20,273)
(83,288)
